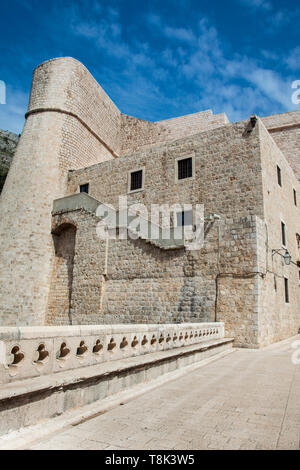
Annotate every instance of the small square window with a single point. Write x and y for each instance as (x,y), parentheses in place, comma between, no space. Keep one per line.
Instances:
(279,176)
(185,168)
(295,196)
(283,234)
(286,290)
(136,180)
(184,218)
(84,188)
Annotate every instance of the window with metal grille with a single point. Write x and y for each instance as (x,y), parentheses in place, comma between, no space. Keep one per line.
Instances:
(283,234)
(298,240)
(184,218)
(279,176)
(185,168)
(286,290)
(136,180)
(84,188)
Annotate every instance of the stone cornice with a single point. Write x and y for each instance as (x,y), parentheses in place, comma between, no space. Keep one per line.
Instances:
(69,113)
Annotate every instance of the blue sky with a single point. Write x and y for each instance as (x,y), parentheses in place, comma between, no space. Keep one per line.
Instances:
(158,59)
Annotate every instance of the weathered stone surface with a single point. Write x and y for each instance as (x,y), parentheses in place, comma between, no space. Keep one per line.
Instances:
(54,268)
(27,352)
(45,382)
(245,400)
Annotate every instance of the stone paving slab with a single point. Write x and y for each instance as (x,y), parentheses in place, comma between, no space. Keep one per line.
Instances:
(246,400)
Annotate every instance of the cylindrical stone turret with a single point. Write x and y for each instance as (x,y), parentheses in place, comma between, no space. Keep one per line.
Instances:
(71,123)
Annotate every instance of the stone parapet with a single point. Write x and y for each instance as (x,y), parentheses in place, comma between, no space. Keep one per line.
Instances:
(28,352)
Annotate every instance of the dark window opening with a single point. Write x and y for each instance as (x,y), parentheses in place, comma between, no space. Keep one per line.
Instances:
(279,175)
(136,180)
(286,290)
(298,240)
(295,197)
(185,168)
(184,218)
(283,235)
(84,188)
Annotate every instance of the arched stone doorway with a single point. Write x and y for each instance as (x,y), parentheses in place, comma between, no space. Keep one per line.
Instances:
(60,295)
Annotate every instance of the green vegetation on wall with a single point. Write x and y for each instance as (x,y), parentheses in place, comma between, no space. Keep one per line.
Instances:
(8,144)
(3,173)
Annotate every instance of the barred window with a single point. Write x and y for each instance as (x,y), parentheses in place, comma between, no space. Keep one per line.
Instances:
(286,290)
(185,168)
(184,218)
(84,188)
(283,234)
(279,176)
(136,180)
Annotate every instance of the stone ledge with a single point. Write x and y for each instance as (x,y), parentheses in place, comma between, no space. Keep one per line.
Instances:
(28,352)
(24,437)
(30,401)
(65,379)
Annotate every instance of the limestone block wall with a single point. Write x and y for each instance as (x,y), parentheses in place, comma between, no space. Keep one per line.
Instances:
(227,173)
(68,119)
(71,123)
(77,284)
(278,319)
(62,276)
(146,284)
(25,205)
(65,85)
(285,130)
(190,124)
(137,133)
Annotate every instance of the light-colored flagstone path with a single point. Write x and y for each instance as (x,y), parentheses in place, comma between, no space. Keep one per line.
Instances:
(246,400)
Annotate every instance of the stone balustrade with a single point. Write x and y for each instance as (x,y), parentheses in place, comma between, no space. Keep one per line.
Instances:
(27,352)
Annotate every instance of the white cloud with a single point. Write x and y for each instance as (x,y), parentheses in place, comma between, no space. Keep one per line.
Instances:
(271,85)
(193,69)
(182,34)
(12,113)
(293,60)
(258,4)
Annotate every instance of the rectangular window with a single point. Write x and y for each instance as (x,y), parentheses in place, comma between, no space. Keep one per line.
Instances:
(184,218)
(185,168)
(286,290)
(295,197)
(279,175)
(283,234)
(298,240)
(136,180)
(84,188)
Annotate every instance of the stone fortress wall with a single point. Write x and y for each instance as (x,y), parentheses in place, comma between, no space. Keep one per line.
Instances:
(73,135)
(285,130)
(137,133)
(68,121)
(278,319)
(145,284)
(71,123)
(235,176)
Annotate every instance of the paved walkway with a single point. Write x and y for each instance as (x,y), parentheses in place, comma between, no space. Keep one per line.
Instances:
(246,400)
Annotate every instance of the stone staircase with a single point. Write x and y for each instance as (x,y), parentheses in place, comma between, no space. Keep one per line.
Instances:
(163,238)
